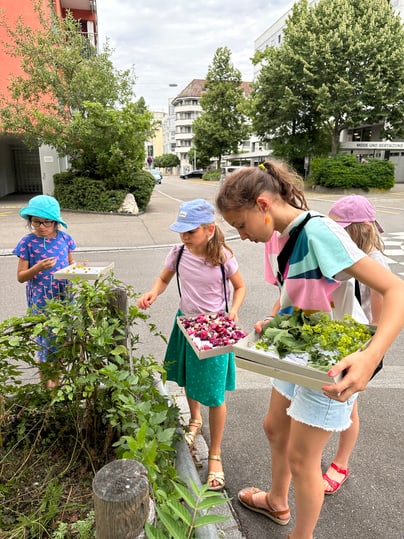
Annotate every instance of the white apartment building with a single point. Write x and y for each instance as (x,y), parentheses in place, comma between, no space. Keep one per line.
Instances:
(363,140)
(186,109)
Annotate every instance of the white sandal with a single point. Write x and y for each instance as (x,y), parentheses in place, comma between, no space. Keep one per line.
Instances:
(190,435)
(215,476)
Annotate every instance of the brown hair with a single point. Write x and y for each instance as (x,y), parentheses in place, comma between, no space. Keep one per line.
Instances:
(214,249)
(243,186)
(366,236)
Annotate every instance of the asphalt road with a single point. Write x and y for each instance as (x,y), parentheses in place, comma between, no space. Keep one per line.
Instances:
(371,503)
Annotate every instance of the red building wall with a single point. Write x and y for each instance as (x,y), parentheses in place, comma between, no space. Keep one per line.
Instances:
(12,9)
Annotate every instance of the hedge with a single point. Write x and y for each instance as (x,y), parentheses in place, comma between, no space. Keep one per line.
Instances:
(81,193)
(346,172)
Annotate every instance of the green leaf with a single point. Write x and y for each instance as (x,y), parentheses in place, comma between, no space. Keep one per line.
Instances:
(185,494)
(209,519)
(171,525)
(181,511)
(207,503)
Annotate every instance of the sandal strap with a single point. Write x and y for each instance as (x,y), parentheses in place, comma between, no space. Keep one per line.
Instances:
(196,422)
(338,469)
(216,476)
(332,482)
(214,457)
(275,513)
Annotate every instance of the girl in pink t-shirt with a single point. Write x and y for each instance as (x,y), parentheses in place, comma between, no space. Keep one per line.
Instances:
(199,263)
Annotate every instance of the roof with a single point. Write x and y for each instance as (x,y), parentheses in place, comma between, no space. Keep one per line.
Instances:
(196,87)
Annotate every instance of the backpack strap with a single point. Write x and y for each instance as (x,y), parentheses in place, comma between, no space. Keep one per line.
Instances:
(177,264)
(224,286)
(285,253)
(358,292)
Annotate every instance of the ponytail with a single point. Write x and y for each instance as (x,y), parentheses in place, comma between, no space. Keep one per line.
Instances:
(243,186)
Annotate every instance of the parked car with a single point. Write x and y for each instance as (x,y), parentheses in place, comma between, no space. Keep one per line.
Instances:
(225,171)
(157,175)
(193,174)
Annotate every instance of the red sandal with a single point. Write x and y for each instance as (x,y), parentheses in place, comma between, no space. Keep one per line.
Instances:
(335,485)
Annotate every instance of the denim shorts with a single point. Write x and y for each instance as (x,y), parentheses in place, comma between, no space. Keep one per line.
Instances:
(313,408)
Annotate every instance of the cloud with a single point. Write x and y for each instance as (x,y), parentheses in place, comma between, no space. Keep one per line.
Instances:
(175,42)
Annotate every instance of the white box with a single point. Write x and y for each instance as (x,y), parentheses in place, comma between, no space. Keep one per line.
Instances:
(90,271)
(269,364)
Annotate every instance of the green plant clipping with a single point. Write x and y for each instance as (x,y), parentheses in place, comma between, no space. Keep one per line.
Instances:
(324,341)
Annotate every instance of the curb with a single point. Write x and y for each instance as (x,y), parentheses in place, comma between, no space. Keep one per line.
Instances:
(188,469)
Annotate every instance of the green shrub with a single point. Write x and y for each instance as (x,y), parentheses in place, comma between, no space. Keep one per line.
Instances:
(107,405)
(86,194)
(52,441)
(212,175)
(140,183)
(381,173)
(346,172)
(81,193)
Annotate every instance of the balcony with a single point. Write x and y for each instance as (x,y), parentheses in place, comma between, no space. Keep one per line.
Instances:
(85,5)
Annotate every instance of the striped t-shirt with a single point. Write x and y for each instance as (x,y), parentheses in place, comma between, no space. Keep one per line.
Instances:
(315,269)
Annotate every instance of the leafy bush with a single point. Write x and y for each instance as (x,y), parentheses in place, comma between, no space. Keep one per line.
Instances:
(81,193)
(212,175)
(67,433)
(53,441)
(346,172)
(141,183)
(78,193)
(166,160)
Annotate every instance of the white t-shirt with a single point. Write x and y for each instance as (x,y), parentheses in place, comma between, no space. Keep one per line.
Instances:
(365,290)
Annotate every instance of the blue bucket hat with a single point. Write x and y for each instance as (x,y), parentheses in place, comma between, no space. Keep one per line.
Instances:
(193,214)
(43,206)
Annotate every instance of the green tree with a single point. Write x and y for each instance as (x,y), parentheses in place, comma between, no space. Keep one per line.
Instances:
(167,160)
(341,64)
(72,98)
(222,125)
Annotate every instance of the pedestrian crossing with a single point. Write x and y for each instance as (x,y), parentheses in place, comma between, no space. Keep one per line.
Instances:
(394,251)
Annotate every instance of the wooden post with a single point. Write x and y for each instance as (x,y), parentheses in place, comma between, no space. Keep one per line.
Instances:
(121,499)
(119,302)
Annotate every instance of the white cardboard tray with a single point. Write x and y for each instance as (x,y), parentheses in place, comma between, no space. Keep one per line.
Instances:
(269,364)
(90,271)
(203,354)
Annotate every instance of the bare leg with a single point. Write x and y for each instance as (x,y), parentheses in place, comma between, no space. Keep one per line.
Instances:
(277,429)
(195,410)
(347,442)
(305,449)
(217,421)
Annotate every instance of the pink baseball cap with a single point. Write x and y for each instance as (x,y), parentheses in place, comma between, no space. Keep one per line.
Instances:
(353,209)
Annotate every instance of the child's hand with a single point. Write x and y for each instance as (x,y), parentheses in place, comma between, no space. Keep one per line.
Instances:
(47,263)
(146,300)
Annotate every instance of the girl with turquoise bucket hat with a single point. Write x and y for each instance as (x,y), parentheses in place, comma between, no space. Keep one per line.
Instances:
(41,252)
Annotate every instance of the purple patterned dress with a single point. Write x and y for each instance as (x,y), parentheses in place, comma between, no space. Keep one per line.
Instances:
(43,286)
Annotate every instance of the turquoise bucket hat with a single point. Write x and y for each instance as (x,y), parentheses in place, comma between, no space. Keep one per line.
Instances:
(43,206)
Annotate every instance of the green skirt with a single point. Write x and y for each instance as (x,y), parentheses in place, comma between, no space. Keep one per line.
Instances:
(205,380)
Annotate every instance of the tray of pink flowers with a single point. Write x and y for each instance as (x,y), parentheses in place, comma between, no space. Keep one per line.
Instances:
(210,334)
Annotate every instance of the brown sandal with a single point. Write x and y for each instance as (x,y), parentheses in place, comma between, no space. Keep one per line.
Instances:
(215,476)
(190,435)
(247,501)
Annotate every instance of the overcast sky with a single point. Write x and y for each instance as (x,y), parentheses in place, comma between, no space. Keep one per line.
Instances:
(174,41)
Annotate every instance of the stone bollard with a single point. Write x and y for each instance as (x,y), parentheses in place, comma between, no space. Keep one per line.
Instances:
(121,500)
